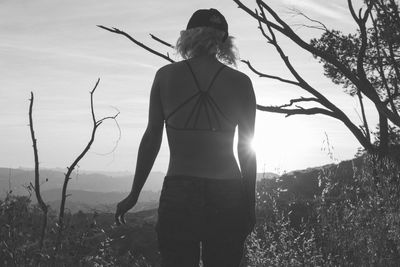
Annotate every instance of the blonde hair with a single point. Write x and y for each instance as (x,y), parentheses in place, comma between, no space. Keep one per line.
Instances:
(206,41)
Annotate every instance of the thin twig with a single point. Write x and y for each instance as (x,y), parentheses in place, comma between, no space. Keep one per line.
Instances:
(322,25)
(161,41)
(118,139)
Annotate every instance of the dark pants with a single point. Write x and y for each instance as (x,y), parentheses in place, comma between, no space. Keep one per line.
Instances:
(201,212)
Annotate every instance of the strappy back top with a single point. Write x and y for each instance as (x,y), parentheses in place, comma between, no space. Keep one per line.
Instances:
(202,105)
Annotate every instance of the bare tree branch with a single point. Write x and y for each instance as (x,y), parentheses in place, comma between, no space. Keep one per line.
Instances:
(39,198)
(332,111)
(263,75)
(118,139)
(300,25)
(298,111)
(96,124)
(161,41)
(381,70)
(285,29)
(392,53)
(353,13)
(321,26)
(115,30)
(364,42)
(301,99)
(364,117)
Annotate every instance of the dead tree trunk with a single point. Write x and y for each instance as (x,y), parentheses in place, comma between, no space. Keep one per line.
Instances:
(40,201)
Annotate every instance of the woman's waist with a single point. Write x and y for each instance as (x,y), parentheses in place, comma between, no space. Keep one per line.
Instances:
(190,178)
(221,170)
(180,184)
(208,160)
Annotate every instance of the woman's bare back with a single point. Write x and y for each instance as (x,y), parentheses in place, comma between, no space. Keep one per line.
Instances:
(202,102)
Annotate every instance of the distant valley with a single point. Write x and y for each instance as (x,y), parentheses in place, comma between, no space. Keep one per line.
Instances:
(88,190)
(82,180)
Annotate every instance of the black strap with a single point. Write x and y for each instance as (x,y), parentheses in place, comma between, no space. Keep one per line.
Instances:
(197,82)
(181,105)
(204,101)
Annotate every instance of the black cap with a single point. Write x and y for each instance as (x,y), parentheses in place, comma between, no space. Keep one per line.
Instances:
(209,18)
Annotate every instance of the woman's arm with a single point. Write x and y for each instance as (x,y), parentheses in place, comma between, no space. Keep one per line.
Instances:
(148,150)
(246,155)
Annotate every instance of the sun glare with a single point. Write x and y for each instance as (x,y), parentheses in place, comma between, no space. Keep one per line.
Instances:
(253,145)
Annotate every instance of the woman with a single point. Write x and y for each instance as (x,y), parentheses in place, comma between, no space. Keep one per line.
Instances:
(206,200)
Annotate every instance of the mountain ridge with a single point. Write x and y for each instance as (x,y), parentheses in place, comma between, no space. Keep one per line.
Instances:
(82,180)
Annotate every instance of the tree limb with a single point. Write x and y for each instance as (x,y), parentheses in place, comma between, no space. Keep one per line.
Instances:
(96,124)
(39,198)
(298,111)
(332,111)
(115,30)
(263,75)
(288,32)
(161,41)
(366,88)
(364,118)
(301,99)
(381,71)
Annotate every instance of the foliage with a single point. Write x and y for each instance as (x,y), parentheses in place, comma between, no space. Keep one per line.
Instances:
(19,228)
(366,63)
(277,243)
(372,56)
(361,224)
(87,242)
(338,215)
(353,221)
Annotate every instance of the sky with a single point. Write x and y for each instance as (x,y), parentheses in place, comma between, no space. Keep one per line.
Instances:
(54,49)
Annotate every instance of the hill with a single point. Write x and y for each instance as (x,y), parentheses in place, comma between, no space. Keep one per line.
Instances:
(92,181)
(87,201)
(87,181)
(89,190)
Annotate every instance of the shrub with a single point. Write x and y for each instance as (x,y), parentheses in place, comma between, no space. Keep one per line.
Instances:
(353,219)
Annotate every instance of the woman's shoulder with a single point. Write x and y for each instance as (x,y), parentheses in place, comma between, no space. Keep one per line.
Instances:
(169,67)
(238,81)
(233,76)
(237,75)
(167,71)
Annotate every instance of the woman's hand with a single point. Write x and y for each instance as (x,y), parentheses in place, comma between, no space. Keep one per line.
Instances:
(123,207)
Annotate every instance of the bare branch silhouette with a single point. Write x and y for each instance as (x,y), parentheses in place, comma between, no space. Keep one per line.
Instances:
(38,195)
(301,99)
(354,72)
(116,142)
(364,85)
(96,124)
(321,26)
(117,31)
(331,109)
(298,111)
(161,41)
(264,75)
